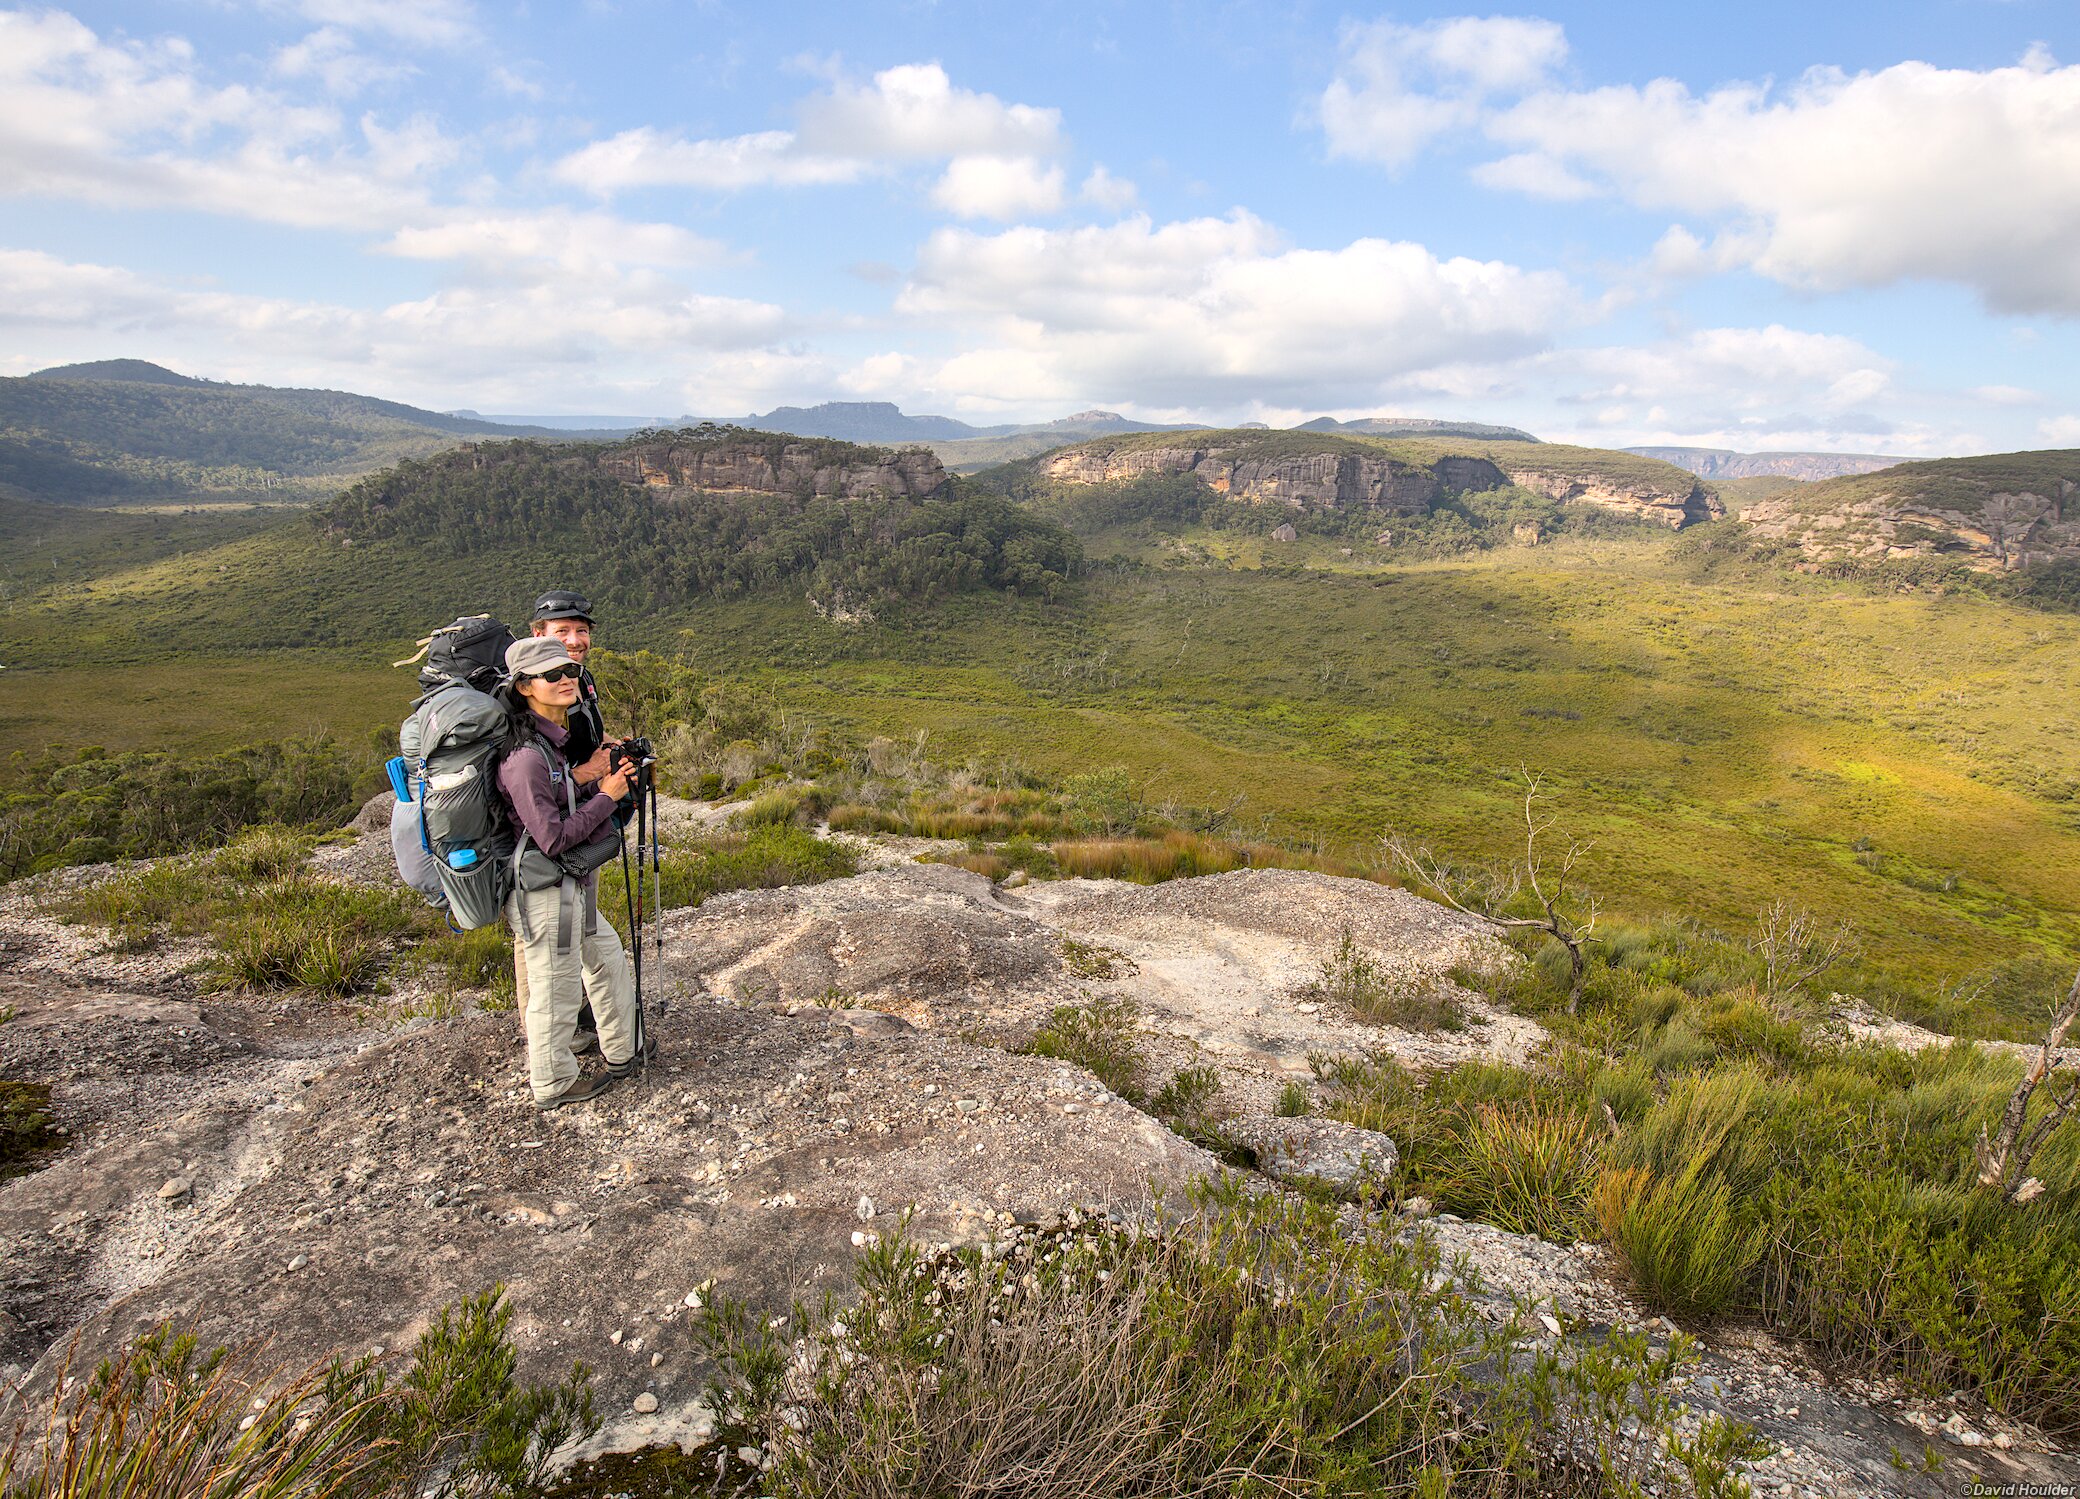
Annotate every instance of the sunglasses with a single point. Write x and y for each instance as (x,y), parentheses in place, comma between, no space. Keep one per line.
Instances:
(558,674)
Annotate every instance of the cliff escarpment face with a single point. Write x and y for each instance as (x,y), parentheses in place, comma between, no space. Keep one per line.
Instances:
(767,467)
(1326,480)
(1332,472)
(2003,513)
(1662,501)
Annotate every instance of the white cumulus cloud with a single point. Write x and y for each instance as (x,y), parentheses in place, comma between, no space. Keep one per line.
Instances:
(998,187)
(904,114)
(1213,312)
(1837,180)
(428,23)
(455,340)
(1911,172)
(1399,87)
(915,113)
(1103,190)
(557,237)
(330,56)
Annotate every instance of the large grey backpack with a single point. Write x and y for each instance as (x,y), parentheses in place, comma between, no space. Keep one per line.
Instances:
(449,830)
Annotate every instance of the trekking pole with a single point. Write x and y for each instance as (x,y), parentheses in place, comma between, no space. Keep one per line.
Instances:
(656,870)
(633,906)
(635,922)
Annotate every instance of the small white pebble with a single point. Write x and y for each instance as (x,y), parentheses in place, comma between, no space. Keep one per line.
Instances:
(614,1337)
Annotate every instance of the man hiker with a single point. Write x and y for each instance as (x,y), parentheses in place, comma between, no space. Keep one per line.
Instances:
(566,617)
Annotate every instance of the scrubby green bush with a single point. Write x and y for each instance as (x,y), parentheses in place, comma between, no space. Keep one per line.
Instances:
(1260,1346)
(1825,1189)
(1937,1285)
(87,806)
(1361,983)
(1103,1037)
(1187,1102)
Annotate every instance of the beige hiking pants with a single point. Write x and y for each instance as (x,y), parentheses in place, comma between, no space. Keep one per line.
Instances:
(570,953)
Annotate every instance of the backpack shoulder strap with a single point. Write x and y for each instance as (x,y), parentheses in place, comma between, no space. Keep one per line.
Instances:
(570,784)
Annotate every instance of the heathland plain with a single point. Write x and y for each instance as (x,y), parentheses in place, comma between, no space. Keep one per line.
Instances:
(1725,730)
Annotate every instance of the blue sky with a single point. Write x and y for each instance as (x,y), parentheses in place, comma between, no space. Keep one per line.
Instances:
(1846,227)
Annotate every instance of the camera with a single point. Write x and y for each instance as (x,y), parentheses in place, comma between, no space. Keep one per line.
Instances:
(630,754)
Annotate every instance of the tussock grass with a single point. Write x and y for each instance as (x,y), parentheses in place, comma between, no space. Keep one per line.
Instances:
(1527,1168)
(799,805)
(1681,1239)
(990,866)
(478,959)
(988,813)
(1183,855)
(764,857)
(167,1420)
(271,924)
(1742,1163)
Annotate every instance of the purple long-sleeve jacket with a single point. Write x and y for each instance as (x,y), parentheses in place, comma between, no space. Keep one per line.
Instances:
(534,789)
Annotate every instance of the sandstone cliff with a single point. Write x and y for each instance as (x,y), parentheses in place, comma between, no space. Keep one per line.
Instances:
(1328,471)
(771,467)
(1996,514)
(1662,498)
(1330,480)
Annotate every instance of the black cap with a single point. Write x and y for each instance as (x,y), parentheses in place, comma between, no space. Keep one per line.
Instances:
(561,603)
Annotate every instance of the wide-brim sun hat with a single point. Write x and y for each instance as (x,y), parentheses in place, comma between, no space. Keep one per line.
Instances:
(535,655)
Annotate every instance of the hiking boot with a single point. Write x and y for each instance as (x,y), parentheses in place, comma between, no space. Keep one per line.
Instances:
(623,1069)
(579,1091)
(583,1041)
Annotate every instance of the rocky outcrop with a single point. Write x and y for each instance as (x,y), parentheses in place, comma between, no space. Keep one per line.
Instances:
(774,468)
(1354,1164)
(1328,481)
(1674,505)
(2003,530)
(252,1166)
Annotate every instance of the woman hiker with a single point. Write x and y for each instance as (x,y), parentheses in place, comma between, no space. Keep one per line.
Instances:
(571,954)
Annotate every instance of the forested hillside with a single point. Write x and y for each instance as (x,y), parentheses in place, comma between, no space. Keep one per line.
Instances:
(100,439)
(673,543)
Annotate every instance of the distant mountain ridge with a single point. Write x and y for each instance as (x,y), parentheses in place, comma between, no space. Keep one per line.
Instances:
(885,422)
(1416,426)
(135,371)
(129,431)
(1725,463)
